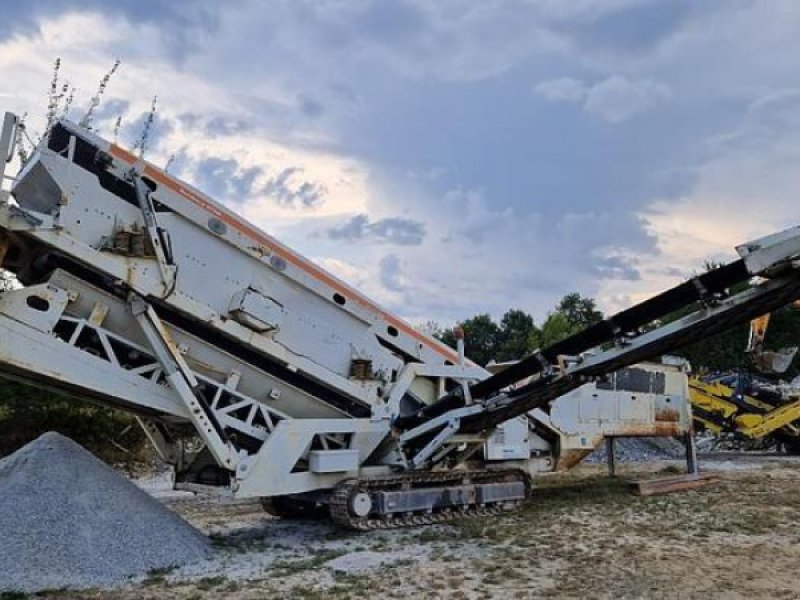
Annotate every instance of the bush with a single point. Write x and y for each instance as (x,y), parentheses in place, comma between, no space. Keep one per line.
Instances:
(27,412)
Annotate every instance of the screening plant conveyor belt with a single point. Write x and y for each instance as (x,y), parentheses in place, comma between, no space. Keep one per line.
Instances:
(625,332)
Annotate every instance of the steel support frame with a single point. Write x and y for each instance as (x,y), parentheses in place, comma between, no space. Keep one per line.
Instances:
(182,381)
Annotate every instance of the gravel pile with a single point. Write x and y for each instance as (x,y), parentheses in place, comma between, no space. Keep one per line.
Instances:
(69,520)
(640,449)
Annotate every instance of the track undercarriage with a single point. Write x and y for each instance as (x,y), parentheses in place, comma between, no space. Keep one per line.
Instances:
(410,499)
(426,498)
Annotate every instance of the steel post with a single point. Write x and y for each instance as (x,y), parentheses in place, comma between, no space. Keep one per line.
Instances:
(612,463)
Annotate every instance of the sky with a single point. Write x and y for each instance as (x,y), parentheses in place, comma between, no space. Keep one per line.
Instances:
(454,157)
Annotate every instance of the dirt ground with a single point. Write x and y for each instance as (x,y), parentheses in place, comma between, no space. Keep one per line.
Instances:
(582,536)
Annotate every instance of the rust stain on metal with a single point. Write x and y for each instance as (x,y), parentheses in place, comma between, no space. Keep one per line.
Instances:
(670,428)
(667,414)
(570,458)
(656,428)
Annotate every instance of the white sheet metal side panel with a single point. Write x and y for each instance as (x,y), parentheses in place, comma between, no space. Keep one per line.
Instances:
(143,274)
(310,326)
(591,412)
(203,357)
(332,461)
(509,441)
(318,333)
(199,208)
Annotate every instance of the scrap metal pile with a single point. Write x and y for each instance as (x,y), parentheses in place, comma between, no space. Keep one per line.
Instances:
(745,411)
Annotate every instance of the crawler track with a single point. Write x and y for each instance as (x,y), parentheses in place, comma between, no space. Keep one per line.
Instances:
(340,500)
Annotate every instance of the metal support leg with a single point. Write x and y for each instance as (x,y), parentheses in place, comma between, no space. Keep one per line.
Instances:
(612,463)
(181,379)
(440,438)
(164,449)
(691,454)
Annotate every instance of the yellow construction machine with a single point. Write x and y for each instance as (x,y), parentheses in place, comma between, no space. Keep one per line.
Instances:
(750,407)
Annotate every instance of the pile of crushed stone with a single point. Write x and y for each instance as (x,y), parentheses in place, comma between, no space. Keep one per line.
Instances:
(640,449)
(69,520)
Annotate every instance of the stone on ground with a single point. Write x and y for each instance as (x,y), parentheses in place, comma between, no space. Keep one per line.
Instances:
(69,520)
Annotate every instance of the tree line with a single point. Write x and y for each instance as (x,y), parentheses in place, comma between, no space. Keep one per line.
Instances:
(517,334)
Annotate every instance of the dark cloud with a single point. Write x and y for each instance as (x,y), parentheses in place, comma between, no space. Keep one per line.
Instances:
(224,178)
(306,195)
(220,126)
(309,106)
(178,22)
(181,24)
(633,28)
(392,230)
(395,20)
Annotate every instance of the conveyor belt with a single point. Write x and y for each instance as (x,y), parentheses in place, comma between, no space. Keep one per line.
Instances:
(630,321)
(631,346)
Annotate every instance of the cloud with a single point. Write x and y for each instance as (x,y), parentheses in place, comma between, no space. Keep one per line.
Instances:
(287,189)
(136,132)
(391,275)
(614,99)
(391,230)
(617,267)
(180,27)
(565,89)
(111,108)
(309,106)
(226,178)
(627,26)
(416,109)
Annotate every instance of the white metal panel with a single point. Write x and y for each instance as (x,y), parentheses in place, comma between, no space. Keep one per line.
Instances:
(332,461)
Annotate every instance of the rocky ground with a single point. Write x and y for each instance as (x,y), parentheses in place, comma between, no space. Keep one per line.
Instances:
(581,536)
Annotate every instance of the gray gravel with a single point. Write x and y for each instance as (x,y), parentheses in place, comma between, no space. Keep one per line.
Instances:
(640,449)
(69,520)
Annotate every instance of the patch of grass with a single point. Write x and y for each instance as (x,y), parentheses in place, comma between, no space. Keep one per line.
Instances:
(13,596)
(219,541)
(209,583)
(48,593)
(318,558)
(348,584)
(434,534)
(308,593)
(159,575)
(672,470)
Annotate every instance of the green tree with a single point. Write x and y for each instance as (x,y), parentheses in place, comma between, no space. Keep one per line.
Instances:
(27,412)
(517,328)
(481,335)
(580,312)
(555,328)
(572,314)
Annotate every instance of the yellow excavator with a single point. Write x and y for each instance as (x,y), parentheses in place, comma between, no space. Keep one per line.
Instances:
(748,406)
